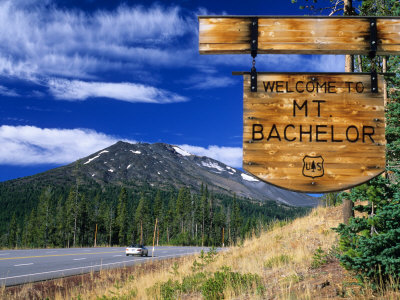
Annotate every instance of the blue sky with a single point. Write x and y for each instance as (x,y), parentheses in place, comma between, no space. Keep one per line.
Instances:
(77,76)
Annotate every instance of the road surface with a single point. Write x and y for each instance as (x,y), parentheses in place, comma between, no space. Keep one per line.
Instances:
(23,266)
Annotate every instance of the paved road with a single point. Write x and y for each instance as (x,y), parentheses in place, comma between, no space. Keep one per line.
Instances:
(22,266)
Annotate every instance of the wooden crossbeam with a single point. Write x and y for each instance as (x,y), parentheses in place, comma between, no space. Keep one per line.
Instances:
(298,35)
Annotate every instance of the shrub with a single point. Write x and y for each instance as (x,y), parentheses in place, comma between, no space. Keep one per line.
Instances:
(371,246)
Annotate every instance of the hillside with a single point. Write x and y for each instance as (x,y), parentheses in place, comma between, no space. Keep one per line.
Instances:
(287,261)
(123,189)
(161,166)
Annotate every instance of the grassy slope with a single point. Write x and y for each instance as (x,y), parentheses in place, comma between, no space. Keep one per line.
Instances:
(283,257)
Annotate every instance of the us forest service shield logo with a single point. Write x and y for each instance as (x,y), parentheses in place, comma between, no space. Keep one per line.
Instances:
(313,166)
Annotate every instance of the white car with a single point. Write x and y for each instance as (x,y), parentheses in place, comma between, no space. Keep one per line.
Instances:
(137,250)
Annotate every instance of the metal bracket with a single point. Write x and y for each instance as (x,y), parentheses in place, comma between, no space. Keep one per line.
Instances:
(373,40)
(253,79)
(254,37)
(374,82)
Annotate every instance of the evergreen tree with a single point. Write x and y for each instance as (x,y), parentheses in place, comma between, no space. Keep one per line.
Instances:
(44,217)
(142,219)
(370,246)
(121,220)
(72,212)
(60,224)
(12,234)
(236,221)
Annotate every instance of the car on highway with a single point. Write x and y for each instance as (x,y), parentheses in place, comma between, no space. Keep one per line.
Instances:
(137,250)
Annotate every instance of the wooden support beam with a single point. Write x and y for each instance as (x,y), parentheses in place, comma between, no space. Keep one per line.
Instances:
(298,35)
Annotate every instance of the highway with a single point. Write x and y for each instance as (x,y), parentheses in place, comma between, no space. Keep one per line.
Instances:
(23,266)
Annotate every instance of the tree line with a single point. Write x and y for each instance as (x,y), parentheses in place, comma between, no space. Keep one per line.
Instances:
(123,215)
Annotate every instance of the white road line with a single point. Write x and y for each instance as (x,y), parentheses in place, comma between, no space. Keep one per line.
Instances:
(51,252)
(4,253)
(80,268)
(116,255)
(23,265)
(79,258)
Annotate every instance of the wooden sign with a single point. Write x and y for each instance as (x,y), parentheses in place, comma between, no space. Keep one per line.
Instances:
(315,132)
(294,35)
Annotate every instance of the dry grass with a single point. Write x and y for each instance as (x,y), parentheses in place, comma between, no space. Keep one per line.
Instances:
(282,257)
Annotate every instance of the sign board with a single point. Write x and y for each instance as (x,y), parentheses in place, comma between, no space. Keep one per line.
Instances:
(294,35)
(314,132)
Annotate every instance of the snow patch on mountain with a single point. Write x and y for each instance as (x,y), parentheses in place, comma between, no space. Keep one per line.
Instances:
(129,166)
(232,169)
(97,156)
(212,165)
(136,152)
(248,178)
(181,152)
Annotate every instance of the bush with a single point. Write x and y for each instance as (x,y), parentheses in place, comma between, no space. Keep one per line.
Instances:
(371,246)
(215,286)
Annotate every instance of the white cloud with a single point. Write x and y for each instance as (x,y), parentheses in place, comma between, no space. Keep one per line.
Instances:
(7,92)
(203,82)
(30,145)
(231,156)
(130,92)
(40,40)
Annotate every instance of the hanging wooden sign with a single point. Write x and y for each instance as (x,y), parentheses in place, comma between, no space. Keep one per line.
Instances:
(315,132)
(294,35)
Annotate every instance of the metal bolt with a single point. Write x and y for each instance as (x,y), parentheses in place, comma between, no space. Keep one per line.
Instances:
(254,23)
(253,87)
(254,41)
(249,163)
(251,141)
(372,24)
(373,78)
(313,183)
(373,42)
(373,89)
(313,78)
(376,120)
(252,77)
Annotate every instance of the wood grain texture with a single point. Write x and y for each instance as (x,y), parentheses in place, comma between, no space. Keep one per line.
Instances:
(347,139)
(335,35)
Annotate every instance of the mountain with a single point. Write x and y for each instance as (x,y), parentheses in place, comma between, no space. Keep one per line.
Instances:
(161,165)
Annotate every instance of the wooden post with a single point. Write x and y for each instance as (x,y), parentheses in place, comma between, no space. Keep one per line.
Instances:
(154,237)
(141,232)
(223,229)
(384,70)
(349,67)
(95,236)
(158,234)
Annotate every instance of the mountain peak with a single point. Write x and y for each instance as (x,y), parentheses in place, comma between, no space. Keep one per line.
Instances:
(163,165)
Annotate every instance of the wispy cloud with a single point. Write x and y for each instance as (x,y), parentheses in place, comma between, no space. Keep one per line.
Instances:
(57,42)
(8,92)
(206,81)
(231,156)
(130,92)
(30,145)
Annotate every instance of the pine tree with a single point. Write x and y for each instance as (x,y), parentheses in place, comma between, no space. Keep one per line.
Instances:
(142,219)
(121,220)
(72,212)
(236,221)
(370,246)
(12,233)
(44,217)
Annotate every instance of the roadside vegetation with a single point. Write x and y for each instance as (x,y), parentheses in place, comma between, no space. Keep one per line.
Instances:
(291,260)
